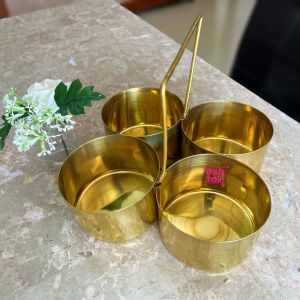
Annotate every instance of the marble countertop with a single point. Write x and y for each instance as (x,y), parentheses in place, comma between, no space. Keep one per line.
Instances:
(43,252)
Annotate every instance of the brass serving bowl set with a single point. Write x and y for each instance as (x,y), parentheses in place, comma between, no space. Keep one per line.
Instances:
(117,184)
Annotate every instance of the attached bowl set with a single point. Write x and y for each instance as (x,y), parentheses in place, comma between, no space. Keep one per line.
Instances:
(211,204)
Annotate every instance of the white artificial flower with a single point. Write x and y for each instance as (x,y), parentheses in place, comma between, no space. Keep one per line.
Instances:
(35,117)
(24,142)
(40,124)
(44,92)
(6,100)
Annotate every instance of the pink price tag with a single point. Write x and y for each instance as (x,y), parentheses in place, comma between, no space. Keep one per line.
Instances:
(215,175)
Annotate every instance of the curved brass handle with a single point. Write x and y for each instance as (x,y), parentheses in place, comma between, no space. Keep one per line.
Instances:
(196,25)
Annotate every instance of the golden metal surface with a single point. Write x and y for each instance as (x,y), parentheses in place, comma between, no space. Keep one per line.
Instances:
(108,182)
(137,111)
(210,226)
(108,185)
(231,128)
(207,225)
(163,93)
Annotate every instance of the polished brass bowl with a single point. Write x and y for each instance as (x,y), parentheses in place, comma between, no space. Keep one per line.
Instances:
(212,207)
(108,185)
(108,182)
(137,112)
(231,128)
(207,225)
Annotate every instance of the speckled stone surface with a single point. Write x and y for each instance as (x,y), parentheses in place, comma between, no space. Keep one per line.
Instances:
(43,252)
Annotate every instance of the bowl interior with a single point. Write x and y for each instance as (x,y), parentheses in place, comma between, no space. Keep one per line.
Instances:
(214,198)
(108,173)
(227,127)
(137,112)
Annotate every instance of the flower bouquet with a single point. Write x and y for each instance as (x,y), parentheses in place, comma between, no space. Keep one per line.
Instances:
(44,113)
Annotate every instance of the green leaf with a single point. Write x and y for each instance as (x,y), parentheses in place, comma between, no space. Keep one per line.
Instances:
(117,204)
(125,200)
(75,98)
(60,94)
(76,108)
(63,111)
(4,131)
(87,90)
(74,88)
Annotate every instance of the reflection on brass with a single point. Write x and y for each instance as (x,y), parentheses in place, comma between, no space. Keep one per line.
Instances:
(234,129)
(137,111)
(163,88)
(209,226)
(108,182)
(108,185)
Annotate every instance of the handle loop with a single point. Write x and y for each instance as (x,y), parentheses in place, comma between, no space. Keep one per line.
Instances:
(196,25)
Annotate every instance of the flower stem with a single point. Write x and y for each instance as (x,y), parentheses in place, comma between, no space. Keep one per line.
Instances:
(65,145)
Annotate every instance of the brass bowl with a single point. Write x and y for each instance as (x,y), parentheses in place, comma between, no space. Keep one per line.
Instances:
(212,207)
(108,182)
(231,128)
(137,112)
(211,226)
(108,185)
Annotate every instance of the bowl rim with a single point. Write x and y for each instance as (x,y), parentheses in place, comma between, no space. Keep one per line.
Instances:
(161,210)
(154,180)
(144,89)
(235,103)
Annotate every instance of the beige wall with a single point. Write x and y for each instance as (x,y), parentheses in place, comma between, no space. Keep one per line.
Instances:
(224,24)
